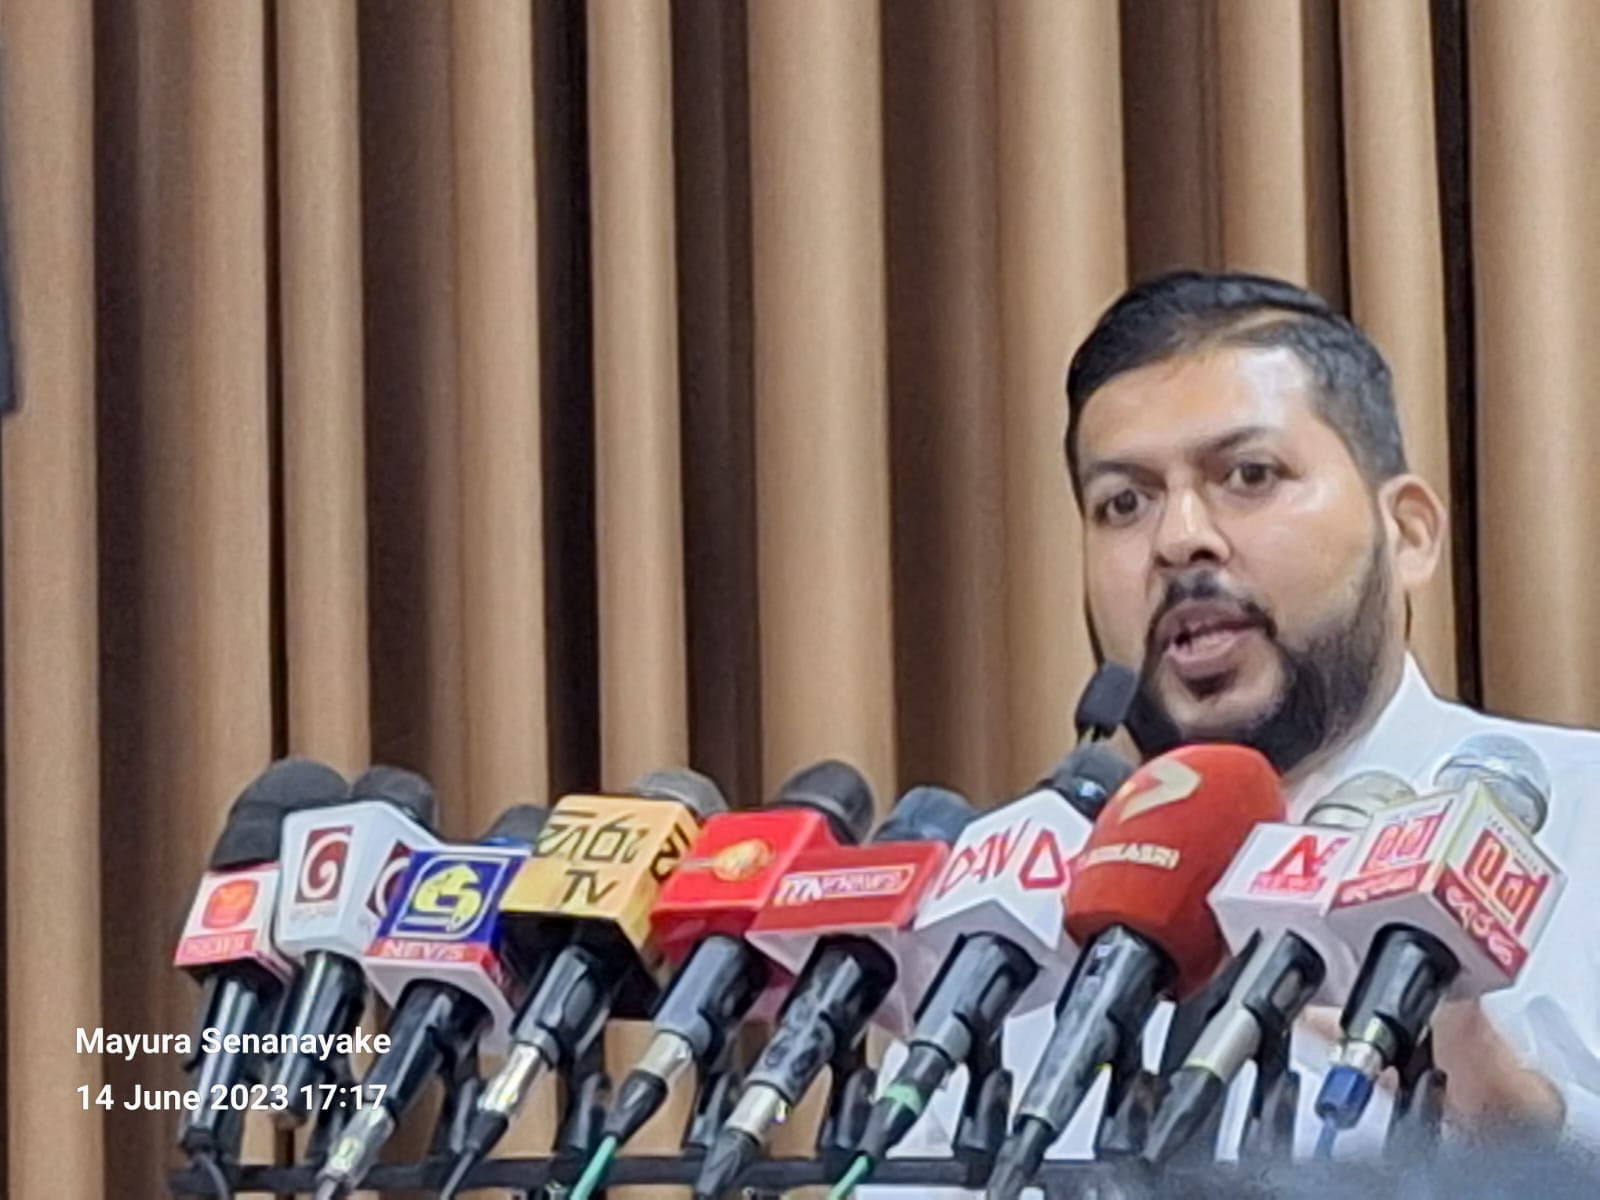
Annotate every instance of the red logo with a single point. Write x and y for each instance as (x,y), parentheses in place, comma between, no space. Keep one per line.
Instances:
(741,861)
(1301,869)
(387,886)
(1046,867)
(229,904)
(1401,843)
(1475,917)
(984,861)
(810,887)
(322,865)
(1494,871)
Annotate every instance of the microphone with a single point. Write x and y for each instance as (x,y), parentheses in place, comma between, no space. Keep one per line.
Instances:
(441,961)
(342,864)
(227,942)
(1105,702)
(1270,904)
(841,919)
(1136,903)
(1450,894)
(700,920)
(996,920)
(599,866)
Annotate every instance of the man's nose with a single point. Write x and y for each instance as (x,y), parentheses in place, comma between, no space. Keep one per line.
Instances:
(1186,533)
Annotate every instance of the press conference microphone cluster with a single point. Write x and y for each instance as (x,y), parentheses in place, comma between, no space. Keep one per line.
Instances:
(842,917)
(996,919)
(441,960)
(1448,894)
(1384,902)
(585,903)
(228,945)
(342,865)
(699,922)
(1136,903)
(1269,905)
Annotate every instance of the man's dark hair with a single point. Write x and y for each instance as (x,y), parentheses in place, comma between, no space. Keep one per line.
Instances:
(1187,311)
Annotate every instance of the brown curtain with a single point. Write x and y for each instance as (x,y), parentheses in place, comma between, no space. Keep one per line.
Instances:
(537,393)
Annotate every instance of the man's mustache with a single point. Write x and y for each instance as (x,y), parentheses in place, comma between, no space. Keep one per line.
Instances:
(1204,585)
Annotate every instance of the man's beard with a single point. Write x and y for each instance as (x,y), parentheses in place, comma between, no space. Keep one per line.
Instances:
(1327,682)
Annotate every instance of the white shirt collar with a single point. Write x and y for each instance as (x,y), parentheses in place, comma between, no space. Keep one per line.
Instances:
(1407,738)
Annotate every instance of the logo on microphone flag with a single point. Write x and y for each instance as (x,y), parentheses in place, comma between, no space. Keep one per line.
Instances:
(742,860)
(322,864)
(850,883)
(387,886)
(229,904)
(1303,868)
(450,896)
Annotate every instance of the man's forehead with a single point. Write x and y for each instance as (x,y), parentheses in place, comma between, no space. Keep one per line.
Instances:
(1193,400)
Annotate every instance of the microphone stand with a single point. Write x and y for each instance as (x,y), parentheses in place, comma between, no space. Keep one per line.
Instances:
(462,1083)
(850,1094)
(1131,1102)
(329,1120)
(585,1097)
(1418,1115)
(1274,1099)
(1189,1021)
(715,1096)
(985,1111)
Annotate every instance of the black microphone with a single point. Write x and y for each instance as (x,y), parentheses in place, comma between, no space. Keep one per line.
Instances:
(849,972)
(1426,885)
(1105,702)
(340,864)
(996,933)
(227,941)
(700,919)
(451,895)
(1271,905)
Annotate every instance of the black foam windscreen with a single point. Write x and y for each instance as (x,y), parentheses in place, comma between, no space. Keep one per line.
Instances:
(694,791)
(404,789)
(1090,776)
(254,830)
(1106,700)
(927,814)
(519,823)
(835,788)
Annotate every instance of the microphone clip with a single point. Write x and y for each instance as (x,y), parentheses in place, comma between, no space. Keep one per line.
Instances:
(851,1087)
(985,1111)
(585,1097)
(1274,1099)
(462,1083)
(1418,1115)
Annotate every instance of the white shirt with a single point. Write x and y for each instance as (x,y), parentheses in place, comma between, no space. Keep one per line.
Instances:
(1551,1017)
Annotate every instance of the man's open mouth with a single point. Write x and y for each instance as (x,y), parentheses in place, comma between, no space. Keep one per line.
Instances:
(1202,640)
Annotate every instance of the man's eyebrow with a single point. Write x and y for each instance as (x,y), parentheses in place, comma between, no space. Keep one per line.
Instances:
(1209,448)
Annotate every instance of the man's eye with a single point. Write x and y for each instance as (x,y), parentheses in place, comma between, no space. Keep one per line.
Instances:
(1252,476)
(1121,508)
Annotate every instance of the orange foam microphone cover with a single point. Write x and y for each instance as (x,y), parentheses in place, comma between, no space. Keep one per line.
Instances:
(1163,842)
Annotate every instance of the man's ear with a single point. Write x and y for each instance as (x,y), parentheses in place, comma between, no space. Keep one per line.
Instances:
(1416,524)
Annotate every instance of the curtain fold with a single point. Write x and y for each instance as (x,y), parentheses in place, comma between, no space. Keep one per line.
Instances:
(1062,260)
(320,406)
(497,365)
(51,619)
(1535,110)
(1396,255)
(638,502)
(538,393)
(947,450)
(821,390)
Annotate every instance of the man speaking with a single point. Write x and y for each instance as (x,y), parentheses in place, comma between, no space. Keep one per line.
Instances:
(1252,538)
